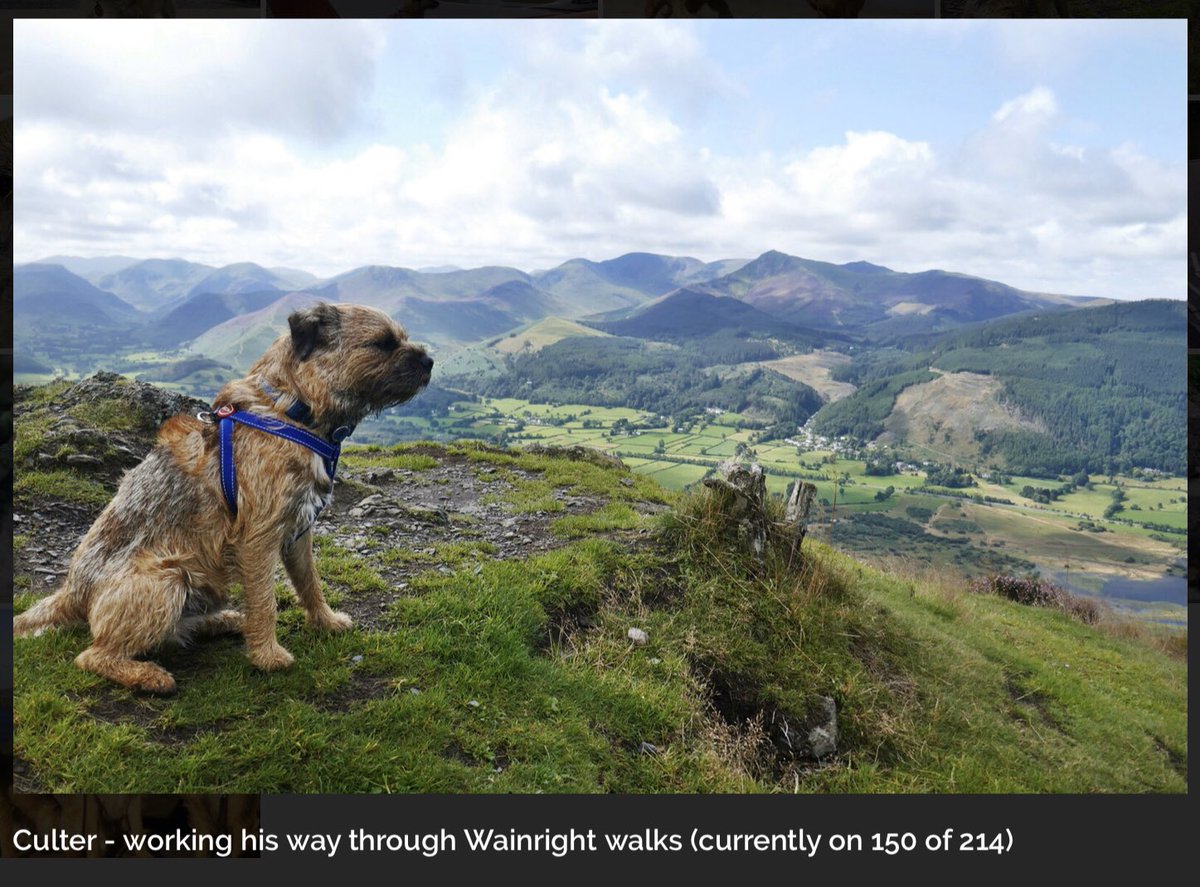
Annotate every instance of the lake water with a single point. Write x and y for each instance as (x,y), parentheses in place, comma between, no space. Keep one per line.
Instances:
(1118,589)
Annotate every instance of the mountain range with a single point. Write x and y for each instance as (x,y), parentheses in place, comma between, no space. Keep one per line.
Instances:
(169,303)
(959,365)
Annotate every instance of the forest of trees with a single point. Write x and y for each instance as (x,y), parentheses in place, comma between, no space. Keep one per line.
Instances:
(861,415)
(1106,383)
(669,381)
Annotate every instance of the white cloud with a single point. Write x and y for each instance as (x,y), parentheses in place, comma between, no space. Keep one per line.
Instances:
(585,147)
(196,79)
(1029,111)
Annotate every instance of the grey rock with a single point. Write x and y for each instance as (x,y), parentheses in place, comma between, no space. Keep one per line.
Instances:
(426,515)
(823,737)
(83,459)
(638,636)
(815,739)
(577,453)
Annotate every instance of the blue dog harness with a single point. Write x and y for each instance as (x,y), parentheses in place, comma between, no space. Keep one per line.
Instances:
(227,417)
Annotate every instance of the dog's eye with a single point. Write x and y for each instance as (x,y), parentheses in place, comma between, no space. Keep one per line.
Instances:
(386,343)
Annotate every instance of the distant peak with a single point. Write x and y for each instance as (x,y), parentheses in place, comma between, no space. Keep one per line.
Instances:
(866,268)
(775,259)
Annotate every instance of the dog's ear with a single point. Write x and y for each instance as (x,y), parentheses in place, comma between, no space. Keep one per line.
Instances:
(312,328)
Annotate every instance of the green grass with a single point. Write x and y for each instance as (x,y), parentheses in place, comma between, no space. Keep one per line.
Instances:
(525,495)
(613,516)
(535,492)
(369,457)
(45,394)
(674,476)
(345,568)
(109,415)
(30,432)
(59,484)
(1024,699)
(500,704)
(452,554)
(517,676)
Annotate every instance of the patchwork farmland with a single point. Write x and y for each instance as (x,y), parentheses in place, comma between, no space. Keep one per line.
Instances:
(981,528)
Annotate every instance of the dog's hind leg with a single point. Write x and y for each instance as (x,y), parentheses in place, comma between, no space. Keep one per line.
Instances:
(60,608)
(302,570)
(228,621)
(132,619)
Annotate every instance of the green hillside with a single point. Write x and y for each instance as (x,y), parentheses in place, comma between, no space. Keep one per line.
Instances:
(671,380)
(1106,383)
(241,340)
(686,316)
(536,336)
(492,653)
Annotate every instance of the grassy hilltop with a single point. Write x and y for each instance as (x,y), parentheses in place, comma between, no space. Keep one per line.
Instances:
(494,592)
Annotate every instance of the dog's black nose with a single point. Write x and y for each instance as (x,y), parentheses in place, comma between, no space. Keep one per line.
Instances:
(426,361)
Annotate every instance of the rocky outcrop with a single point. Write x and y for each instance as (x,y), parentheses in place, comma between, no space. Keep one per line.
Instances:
(103,425)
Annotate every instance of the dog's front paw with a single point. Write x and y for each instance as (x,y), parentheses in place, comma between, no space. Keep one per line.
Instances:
(159,682)
(270,658)
(331,620)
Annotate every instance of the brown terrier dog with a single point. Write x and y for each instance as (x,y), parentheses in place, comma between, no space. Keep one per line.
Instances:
(156,564)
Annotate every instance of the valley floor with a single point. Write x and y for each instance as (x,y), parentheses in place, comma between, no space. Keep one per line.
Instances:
(1137,562)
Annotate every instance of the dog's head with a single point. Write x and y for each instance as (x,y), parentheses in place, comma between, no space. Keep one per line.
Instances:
(354,358)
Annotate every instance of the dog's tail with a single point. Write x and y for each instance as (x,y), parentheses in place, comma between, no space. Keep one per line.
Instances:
(60,608)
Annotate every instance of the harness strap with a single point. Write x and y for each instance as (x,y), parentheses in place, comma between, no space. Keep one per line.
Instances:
(227,417)
(298,411)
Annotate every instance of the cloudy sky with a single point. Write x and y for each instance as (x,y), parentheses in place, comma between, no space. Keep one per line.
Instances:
(1049,155)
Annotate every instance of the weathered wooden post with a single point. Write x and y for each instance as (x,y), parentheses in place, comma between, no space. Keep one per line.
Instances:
(795,517)
(743,490)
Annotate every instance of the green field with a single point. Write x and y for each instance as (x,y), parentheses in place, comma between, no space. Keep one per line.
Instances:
(1048,535)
